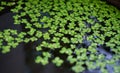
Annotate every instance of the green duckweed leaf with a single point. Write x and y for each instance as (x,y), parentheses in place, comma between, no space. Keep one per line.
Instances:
(57,61)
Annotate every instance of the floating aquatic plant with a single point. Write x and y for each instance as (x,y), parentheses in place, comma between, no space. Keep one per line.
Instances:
(4,4)
(74,29)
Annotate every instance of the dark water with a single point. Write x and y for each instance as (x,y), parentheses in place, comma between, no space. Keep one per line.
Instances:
(21,59)
(13,62)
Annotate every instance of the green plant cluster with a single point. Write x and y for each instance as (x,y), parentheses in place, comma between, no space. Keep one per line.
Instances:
(3,4)
(63,26)
(10,38)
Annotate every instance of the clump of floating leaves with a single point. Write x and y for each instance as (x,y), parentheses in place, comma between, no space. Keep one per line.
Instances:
(83,33)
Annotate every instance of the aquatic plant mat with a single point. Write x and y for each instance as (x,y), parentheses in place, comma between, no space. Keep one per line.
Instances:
(82,33)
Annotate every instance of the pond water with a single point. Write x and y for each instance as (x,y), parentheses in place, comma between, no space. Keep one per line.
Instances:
(21,59)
